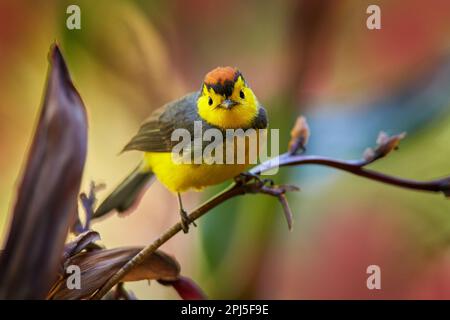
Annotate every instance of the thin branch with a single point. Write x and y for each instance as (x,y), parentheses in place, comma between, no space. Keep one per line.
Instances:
(235,189)
(356,167)
(246,185)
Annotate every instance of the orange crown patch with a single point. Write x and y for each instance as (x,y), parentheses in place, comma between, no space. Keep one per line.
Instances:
(222,80)
(220,75)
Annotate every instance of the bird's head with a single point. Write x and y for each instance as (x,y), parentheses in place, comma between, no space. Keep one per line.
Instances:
(226,101)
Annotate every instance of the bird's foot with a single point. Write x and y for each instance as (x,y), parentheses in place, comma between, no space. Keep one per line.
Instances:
(245,177)
(185,221)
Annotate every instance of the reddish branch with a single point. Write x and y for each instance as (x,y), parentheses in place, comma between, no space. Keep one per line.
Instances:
(252,183)
(357,167)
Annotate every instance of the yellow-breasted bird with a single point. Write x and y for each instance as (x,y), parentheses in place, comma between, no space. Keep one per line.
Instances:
(225,101)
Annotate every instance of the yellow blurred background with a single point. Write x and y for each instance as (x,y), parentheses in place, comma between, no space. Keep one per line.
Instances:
(301,57)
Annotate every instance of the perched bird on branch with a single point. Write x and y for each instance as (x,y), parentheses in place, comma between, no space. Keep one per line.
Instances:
(225,101)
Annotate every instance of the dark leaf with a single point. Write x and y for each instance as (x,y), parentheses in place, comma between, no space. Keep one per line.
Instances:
(98,266)
(46,202)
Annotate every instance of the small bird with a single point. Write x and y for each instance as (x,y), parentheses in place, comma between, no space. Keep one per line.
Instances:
(225,101)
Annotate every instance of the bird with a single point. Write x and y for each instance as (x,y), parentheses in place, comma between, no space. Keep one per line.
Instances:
(224,101)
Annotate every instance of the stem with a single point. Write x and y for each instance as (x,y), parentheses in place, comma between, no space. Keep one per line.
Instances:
(354,166)
(230,192)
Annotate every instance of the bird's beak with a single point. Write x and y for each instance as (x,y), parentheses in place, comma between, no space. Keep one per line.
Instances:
(228,104)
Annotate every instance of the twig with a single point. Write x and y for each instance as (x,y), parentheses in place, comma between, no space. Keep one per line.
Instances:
(356,167)
(235,189)
(299,138)
(287,210)
(88,203)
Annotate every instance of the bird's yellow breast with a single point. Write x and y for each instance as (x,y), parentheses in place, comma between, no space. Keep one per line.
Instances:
(179,177)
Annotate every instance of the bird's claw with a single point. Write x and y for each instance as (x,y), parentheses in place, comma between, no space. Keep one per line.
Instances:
(185,221)
(245,177)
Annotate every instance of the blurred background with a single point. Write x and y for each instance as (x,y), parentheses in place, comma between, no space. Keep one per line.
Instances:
(315,58)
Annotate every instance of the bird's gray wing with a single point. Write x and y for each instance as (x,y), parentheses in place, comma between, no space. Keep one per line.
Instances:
(260,121)
(155,133)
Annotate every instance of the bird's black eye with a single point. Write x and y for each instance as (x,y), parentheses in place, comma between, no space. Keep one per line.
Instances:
(210,102)
(241,94)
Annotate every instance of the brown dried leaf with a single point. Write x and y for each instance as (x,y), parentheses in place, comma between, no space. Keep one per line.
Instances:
(46,202)
(299,135)
(159,266)
(98,266)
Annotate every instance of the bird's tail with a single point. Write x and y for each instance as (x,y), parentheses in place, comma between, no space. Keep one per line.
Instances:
(126,193)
